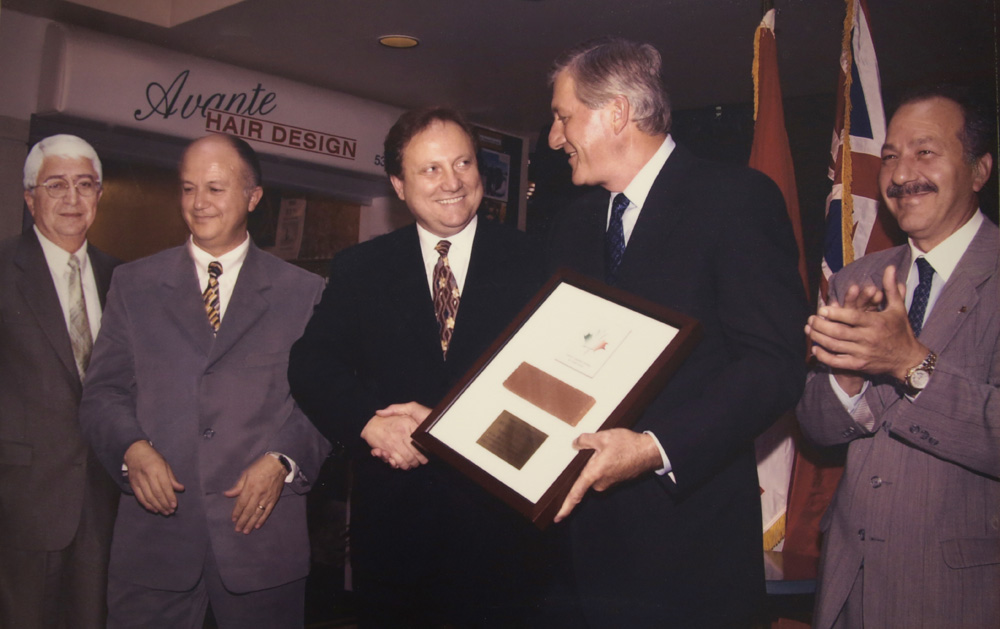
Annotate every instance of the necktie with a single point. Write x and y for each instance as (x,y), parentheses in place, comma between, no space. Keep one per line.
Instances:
(446,296)
(79,323)
(614,239)
(918,306)
(211,296)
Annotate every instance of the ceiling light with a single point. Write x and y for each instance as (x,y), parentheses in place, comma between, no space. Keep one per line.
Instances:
(398,41)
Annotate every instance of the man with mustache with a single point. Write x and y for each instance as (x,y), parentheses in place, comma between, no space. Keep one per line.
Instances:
(908,351)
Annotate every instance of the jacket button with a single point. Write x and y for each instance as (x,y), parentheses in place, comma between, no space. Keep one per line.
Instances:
(861,534)
(208,434)
(876,482)
(914,429)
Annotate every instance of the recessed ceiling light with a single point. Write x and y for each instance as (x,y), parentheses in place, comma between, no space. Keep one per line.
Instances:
(398,41)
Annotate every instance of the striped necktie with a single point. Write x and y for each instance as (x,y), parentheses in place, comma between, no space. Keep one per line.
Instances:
(211,296)
(79,322)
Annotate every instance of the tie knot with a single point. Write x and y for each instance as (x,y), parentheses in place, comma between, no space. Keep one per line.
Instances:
(619,204)
(925,269)
(214,269)
(442,248)
(74,262)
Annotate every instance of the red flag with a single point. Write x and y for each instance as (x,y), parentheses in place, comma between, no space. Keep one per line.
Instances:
(772,156)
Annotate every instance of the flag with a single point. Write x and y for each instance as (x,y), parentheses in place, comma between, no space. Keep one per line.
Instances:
(772,156)
(854,226)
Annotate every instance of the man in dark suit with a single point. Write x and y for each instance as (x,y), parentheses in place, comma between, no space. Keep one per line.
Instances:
(402,319)
(675,540)
(908,376)
(56,503)
(187,405)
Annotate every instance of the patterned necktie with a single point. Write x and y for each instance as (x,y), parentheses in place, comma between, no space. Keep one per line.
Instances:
(614,239)
(446,296)
(918,306)
(79,323)
(211,296)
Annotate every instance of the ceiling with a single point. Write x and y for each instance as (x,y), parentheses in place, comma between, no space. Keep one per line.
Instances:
(490,57)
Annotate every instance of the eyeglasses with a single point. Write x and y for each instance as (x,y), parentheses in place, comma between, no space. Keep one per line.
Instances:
(58,188)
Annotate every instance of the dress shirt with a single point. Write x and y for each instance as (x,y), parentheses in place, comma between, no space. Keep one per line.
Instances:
(58,260)
(636,192)
(231,261)
(459,253)
(944,258)
(638,189)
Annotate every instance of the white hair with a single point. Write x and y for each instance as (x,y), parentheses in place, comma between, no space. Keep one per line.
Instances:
(62,145)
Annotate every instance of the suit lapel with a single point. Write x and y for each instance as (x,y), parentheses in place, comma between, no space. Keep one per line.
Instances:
(247,304)
(182,300)
(411,295)
(660,213)
(960,295)
(39,293)
(102,266)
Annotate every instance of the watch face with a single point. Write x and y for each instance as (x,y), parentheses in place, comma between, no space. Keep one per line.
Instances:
(919,379)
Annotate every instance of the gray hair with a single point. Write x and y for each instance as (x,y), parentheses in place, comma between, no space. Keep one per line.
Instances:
(611,66)
(62,145)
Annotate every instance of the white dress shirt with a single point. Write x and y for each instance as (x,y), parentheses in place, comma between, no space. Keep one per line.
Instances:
(232,263)
(57,259)
(459,253)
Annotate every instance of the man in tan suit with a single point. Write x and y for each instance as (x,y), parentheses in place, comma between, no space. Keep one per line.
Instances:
(57,505)
(909,366)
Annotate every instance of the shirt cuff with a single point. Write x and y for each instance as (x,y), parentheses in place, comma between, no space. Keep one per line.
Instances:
(850,402)
(295,468)
(667,469)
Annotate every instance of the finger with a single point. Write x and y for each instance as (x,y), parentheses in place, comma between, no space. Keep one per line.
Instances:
(837,361)
(573,498)
(895,298)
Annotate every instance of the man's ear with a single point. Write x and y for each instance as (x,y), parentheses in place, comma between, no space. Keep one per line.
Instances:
(981,170)
(255,196)
(621,113)
(397,184)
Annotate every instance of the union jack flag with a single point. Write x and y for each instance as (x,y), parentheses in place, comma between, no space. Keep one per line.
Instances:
(853,227)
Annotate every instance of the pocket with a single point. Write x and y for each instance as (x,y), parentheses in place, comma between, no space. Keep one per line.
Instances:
(970,552)
(14,453)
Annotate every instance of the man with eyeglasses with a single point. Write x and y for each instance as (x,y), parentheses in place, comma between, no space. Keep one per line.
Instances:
(57,505)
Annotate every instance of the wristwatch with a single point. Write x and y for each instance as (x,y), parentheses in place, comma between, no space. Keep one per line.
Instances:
(918,377)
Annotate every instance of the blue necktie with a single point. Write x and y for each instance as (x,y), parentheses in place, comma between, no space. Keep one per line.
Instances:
(614,239)
(918,307)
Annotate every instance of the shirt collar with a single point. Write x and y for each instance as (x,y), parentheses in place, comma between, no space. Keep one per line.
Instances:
(462,240)
(58,257)
(638,189)
(946,255)
(229,260)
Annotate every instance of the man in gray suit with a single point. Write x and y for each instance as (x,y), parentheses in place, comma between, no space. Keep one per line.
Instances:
(56,504)
(187,405)
(909,366)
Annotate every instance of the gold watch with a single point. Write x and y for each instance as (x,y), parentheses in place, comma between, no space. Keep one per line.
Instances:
(918,377)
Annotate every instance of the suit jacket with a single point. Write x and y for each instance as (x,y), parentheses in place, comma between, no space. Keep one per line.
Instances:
(48,475)
(714,242)
(374,341)
(211,406)
(919,501)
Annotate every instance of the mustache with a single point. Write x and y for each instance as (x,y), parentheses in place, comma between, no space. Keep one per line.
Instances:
(896,191)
